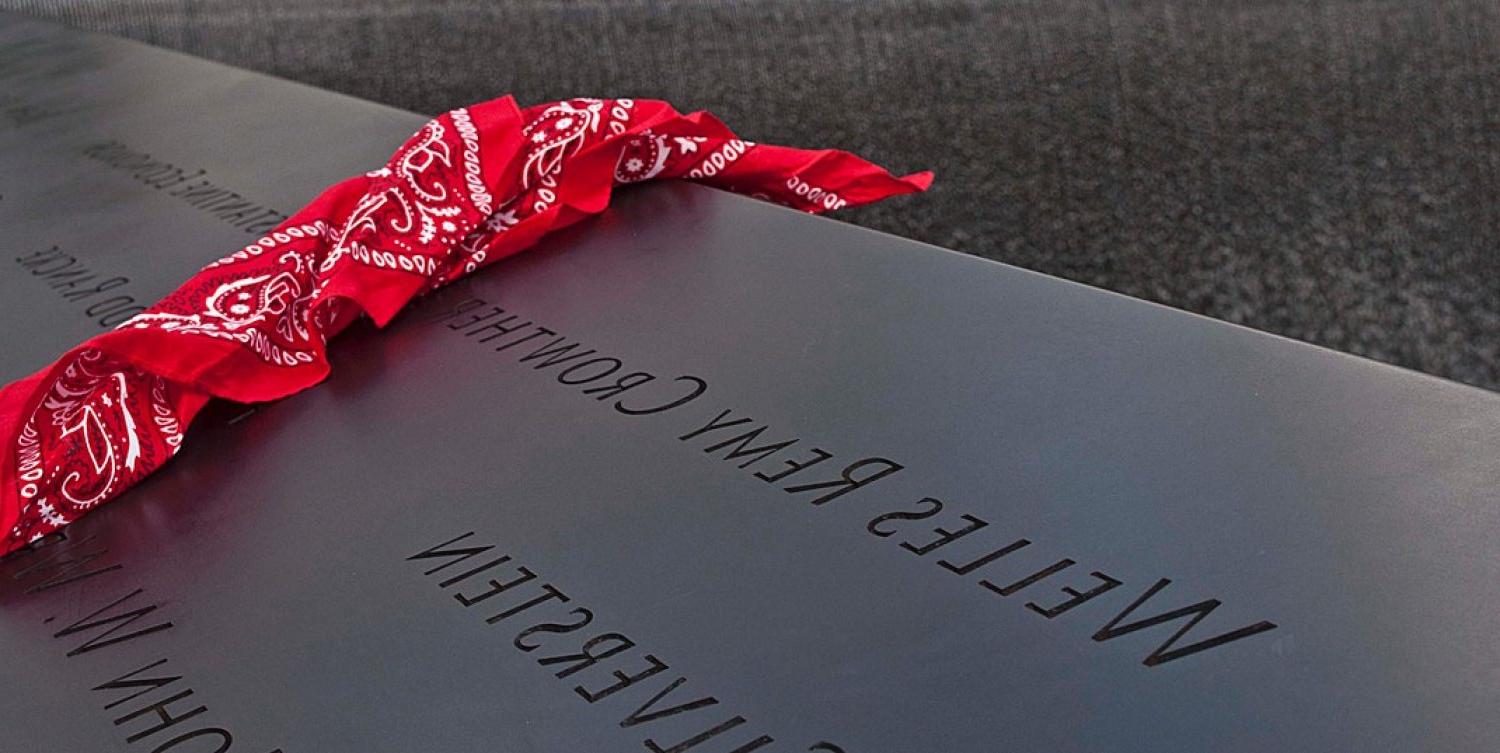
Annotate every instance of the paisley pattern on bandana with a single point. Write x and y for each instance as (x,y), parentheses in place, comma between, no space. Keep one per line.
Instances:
(470,187)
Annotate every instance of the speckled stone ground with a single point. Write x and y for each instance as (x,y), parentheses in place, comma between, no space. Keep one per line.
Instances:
(1326,170)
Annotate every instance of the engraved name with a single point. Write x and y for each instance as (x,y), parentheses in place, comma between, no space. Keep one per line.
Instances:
(924,529)
(156,708)
(102,296)
(598,663)
(192,187)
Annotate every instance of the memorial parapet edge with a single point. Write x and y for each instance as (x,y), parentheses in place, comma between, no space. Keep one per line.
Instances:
(705,475)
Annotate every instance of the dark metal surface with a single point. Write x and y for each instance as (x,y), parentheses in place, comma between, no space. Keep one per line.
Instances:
(1350,504)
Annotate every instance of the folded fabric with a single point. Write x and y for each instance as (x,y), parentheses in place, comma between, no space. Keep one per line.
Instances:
(470,187)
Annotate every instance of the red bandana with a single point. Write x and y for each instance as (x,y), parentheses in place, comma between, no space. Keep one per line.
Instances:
(472,186)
